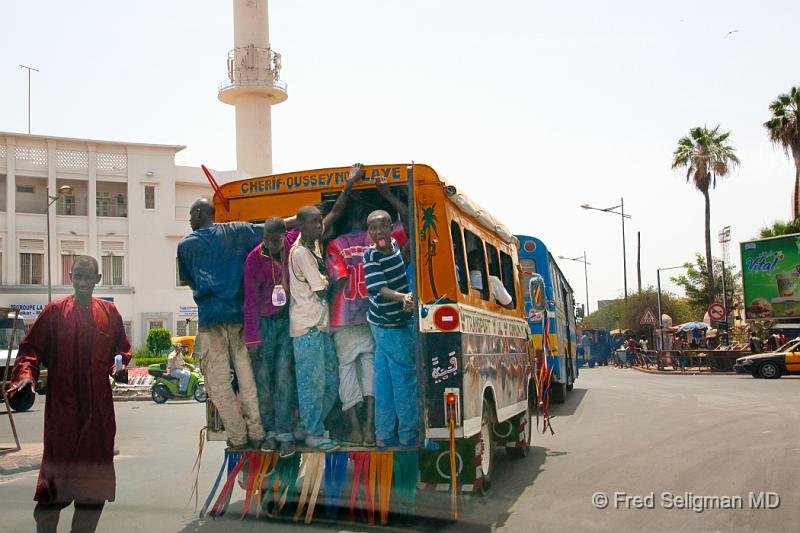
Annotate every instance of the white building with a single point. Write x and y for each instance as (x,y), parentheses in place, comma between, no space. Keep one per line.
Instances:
(128,206)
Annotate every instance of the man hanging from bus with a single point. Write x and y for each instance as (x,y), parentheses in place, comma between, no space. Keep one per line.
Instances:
(390,306)
(355,346)
(314,353)
(266,333)
(211,261)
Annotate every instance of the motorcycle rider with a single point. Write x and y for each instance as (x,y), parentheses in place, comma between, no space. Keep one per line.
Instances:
(177,368)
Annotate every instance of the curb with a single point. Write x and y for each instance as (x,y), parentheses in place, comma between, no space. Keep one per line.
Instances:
(685,373)
(131,398)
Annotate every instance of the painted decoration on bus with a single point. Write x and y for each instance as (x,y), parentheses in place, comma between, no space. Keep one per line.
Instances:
(310,181)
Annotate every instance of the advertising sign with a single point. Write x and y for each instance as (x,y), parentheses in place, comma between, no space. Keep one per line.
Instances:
(771,277)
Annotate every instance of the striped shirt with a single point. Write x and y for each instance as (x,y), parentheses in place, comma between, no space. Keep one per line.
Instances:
(385,270)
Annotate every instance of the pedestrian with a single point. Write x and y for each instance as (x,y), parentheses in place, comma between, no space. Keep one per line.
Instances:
(643,344)
(316,365)
(77,339)
(755,343)
(774,341)
(781,337)
(630,348)
(390,306)
(586,345)
(211,262)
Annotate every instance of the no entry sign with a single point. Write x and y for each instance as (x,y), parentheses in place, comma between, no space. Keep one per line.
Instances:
(716,312)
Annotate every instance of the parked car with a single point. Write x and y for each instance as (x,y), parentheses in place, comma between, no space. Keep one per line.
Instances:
(772,365)
(20,402)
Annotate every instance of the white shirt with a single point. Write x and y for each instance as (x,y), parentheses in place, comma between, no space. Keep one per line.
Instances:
(306,309)
(498,290)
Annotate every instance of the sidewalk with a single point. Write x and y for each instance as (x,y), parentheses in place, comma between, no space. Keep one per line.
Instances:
(28,458)
(689,371)
(130,393)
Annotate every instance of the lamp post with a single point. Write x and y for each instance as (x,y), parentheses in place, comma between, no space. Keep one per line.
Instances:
(658,283)
(623,216)
(581,259)
(61,191)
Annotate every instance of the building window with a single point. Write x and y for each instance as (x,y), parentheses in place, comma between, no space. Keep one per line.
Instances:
(28,189)
(66,205)
(185,327)
(30,268)
(153,324)
(128,329)
(104,207)
(112,268)
(149,197)
(66,269)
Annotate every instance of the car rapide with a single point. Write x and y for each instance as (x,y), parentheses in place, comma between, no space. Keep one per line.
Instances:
(772,365)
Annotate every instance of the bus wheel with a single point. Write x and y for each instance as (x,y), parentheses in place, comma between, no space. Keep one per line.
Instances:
(487,458)
(559,392)
(520,452)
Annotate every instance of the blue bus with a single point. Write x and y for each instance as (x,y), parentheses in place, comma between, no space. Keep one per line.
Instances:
(534,258)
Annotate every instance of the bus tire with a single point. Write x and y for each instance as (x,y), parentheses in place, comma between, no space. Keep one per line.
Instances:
(487,450)
(559,392)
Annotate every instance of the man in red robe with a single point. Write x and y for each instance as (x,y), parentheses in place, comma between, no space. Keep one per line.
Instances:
(76,338)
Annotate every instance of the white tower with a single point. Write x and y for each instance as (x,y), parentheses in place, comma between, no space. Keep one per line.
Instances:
(253,86)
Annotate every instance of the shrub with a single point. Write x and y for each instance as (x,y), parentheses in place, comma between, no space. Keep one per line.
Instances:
(159,341)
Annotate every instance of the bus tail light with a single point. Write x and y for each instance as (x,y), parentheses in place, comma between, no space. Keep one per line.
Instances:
(452,408)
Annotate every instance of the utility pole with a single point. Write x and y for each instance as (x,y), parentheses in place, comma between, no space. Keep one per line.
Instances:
(639,259)
(29,93)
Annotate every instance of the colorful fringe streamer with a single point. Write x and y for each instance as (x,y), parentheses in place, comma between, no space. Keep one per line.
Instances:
(361,470)
(405,476)
(380,470)
(196,469)
(312,469)
(335,472)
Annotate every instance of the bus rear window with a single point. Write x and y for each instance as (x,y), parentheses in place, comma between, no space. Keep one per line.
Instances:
(507,266)
(476,263)
(458,255)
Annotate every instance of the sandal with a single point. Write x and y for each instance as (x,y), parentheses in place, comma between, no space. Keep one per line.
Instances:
(409,444)
(287,449)
(325,445)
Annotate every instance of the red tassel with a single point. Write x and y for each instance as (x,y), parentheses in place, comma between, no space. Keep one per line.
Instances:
(224,498)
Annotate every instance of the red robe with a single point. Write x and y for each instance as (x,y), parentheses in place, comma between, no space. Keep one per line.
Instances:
(77,344)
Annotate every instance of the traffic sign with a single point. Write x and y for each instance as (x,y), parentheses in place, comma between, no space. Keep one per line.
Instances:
(717,312)
(648,318)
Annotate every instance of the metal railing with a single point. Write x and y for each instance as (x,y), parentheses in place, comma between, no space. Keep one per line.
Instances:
(253,66)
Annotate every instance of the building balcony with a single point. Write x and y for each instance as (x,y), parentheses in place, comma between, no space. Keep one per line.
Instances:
(253,70)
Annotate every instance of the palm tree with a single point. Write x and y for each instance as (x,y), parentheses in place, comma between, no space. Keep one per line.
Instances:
(706,156)
(429,223)
(784,131)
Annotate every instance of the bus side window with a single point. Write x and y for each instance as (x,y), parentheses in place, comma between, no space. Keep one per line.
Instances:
(507,265)
(458,254)
(476,264)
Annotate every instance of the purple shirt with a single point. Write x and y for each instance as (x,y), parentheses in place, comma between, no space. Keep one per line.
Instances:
(261,274)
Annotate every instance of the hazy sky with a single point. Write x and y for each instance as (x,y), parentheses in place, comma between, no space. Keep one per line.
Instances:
(530,107)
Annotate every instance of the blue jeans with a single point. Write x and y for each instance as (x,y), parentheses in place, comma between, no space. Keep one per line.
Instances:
(317,372)
(183,375)
(395,384)
(274,375)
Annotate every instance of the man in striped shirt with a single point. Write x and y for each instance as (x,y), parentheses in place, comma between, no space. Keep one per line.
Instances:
(390,306)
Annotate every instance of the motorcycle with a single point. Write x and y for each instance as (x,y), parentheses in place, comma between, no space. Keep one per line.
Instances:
(166,387)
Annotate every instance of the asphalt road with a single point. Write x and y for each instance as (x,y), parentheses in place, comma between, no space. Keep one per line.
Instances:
(621,431)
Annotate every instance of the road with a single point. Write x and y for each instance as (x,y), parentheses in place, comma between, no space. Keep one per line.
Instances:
(620,431)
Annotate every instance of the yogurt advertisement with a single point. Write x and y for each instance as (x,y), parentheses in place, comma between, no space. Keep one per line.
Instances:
(771,277)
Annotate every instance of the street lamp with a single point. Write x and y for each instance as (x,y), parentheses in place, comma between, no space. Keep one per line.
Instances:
(64,189)
(581,259)
(658,282)
(623,216)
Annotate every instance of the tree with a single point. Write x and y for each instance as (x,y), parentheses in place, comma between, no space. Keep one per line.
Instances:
(779,228)
(707,156)
(695,283)
(159,341)
(784,131)
(619,314)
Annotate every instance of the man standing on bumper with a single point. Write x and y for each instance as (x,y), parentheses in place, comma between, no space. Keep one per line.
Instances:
(211,261)
(390,305)
(77,338)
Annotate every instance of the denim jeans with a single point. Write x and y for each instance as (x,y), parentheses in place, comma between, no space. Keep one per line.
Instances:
(317,372)
(395,384)
(183,375)
(274,374)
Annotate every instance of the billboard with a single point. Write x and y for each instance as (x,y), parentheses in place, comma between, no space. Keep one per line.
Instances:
(771,277)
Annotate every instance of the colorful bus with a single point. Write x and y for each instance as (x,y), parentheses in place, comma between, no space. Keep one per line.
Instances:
(534,258)
(475,385)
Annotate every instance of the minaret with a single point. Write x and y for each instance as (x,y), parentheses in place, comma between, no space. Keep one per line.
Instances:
(253,86)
